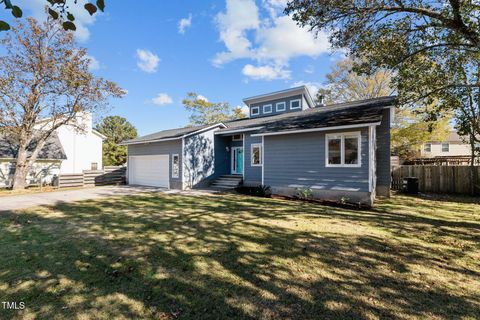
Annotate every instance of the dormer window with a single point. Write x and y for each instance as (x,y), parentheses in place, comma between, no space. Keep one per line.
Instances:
(255,111)
(295,104)
(267,108)
(281,106)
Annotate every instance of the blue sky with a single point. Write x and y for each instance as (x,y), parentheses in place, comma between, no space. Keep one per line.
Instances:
(224,50)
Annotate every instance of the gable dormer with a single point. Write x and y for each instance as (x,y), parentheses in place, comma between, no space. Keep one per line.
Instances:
(290,100)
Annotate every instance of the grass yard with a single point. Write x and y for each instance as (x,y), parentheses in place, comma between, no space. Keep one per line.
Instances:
(161,256)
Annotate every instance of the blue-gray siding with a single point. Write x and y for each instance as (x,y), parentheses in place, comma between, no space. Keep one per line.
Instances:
(274,106)
(383,155)
(157,148)
(199,158)
(298,160)
(252,174)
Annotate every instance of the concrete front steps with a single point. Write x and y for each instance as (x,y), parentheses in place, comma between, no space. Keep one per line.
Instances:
(226,182)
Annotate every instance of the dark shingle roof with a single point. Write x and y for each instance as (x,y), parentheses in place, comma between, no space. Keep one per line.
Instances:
(52,150)
(357,112)
(167,134)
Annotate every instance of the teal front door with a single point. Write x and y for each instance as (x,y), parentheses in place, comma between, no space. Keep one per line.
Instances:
(237,160)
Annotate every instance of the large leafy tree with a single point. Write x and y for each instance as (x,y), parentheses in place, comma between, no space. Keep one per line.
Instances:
(433,47)
(45,83)
(116,129)
(409,132)
(57,9)
(409,129)
(344,84)
(206,112)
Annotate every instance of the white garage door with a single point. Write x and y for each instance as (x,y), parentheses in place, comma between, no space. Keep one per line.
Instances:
(149,170)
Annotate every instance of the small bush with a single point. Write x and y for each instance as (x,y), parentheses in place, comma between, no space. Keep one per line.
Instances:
(259,191)
(304,193)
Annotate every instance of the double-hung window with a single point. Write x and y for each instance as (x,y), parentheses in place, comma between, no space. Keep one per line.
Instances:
(445,147)
(256,154)
(175,166)
(343,149)
(427,147)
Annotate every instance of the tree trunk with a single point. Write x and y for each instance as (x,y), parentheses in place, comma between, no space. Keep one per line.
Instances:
(21,169)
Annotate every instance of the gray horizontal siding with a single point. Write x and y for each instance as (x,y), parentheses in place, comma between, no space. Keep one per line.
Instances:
(158,148)
(199,158)
(383,155)
(274,106)
(298,160)
(252,175)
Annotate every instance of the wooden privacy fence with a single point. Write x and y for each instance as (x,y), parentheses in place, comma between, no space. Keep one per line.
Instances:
(436,179)
(90,178)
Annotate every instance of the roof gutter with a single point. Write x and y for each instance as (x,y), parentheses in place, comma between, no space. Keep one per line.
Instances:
(317,129)
(174,138)
(238,130)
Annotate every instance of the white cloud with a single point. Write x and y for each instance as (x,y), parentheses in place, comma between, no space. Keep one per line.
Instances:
(184,23)
(162,99)
(240,16)
(313,87)
(271,41)
(309,69)
(265,72)
(200,97)
(275,7)
(82,18)
(147,61)
(94,64)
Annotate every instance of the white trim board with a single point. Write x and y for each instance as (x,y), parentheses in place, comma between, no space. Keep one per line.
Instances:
(317,129)
(237,130)
(263,159)
(256,145)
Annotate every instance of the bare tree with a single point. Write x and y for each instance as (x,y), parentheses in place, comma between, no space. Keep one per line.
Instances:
(45,83)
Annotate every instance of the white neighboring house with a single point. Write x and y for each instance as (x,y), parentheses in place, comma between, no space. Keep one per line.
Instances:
(67,151)
(83,149)
(453,145)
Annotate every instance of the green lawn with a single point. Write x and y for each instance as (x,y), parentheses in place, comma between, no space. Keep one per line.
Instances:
(224,257)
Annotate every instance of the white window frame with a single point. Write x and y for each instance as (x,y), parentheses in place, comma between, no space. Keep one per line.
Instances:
(173,165)
(342,135)
(255,145)
(448,146)
(241,137)
(268,105)
(254,108)
(299,104)
(429,147)
(281,103)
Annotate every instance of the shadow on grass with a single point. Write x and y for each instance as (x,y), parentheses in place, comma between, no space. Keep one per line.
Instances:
(172,256)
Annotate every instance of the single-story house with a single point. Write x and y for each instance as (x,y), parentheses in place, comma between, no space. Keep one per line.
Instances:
(287,143)
(67,151)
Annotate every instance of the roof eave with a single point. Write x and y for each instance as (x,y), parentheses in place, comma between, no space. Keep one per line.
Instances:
(275,95)
(352,126)
(127,143)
